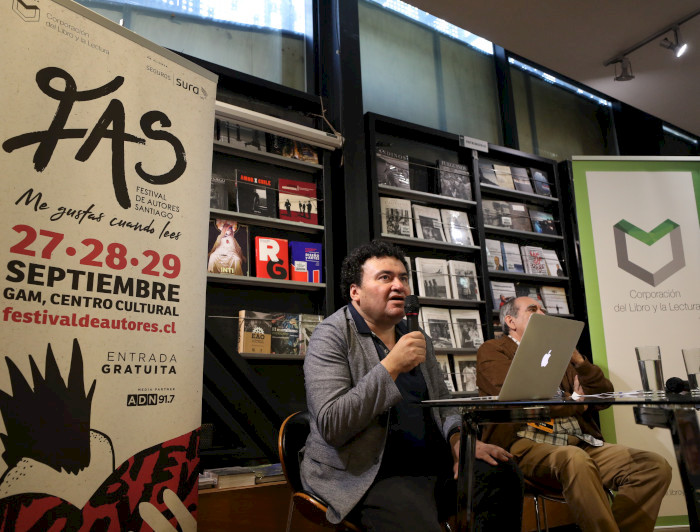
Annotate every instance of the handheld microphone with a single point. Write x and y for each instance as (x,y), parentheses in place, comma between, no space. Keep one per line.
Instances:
(411,308)
(677,385)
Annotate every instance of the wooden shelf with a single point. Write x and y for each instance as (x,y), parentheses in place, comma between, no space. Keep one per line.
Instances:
(266,221)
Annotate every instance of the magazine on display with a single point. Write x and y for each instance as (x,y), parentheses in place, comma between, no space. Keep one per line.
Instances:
(520,218)
(284,339)
(254,332)
(396,216)
(494,255)
(540,182)
(271,258)
(428,223)
(465,373)
(392,169)
(436,323)
(456,226)
(512,259)
(504,178)
(533,260)
(297,201)
(256,194)
(528,290)
(463,280)
(467,328)
(228,247)
(307,325)
(497,213)
(501,292)
(239,136)
(543,222)
(306,262)
(552,261)
(218,194)
(554,299)
(409,271)
(487,175)
(444,362)
(520,179)
(433,278)
(454,180)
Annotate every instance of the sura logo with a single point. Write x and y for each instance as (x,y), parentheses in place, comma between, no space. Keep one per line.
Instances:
(194,89)
(623,228)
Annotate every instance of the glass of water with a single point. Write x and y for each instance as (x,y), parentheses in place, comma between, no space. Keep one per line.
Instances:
(691,357)
(649,360)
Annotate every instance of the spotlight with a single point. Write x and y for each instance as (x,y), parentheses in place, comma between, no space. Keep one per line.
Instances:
(678,47)
(625,70)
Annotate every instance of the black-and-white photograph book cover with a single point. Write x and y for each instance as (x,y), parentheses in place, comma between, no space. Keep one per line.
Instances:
(392,169)
(433,279)
(456,226)
(463,280)
(396,216)
(428,223)
(465,373)
(436,322)
(466,324)
(444,362)
(454,180)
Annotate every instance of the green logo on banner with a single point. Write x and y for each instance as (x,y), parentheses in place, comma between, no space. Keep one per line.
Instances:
(668,227)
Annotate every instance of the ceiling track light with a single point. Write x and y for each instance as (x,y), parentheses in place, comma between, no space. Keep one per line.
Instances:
(625,70)
(678,47)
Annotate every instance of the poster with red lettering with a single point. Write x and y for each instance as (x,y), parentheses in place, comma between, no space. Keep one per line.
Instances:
(106,155)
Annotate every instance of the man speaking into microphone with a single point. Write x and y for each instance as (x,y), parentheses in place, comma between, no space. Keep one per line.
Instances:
(374,454)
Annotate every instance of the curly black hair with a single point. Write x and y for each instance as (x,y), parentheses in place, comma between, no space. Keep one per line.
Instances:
(351,270)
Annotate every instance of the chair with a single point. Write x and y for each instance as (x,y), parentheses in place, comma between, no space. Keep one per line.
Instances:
(540,494)
(293,434)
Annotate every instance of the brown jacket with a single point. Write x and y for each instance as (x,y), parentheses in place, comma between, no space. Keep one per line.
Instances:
(492,362)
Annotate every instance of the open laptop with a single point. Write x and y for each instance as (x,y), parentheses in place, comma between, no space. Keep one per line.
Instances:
(540,362)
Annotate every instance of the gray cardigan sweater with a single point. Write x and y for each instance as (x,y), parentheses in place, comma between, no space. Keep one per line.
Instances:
(349,394)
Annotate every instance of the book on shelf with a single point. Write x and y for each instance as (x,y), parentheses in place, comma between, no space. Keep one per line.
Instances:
(543,222)
(238,136)
(436,323)
(256,194)
(297,201)
(540,182)
(456,227)
(254,331)
(392,169)
(454,180)
(271,257)
(467,328)
(284,336)
(463,280)
(231,477)
(512,260)
(494,255)
(504,179)
(268,473)
(554,299)
(533,260)
(428,223)
(465,373)
(444,362)
(228,247)
(528,290)
(409,271)
(422,176)
(433,278)
(501,291)
(293,149)
(487,175)
(205,481)
(306,261)
(520,179)
(396,216)
(506,214)
(307,326)
(218,193)
(552,261)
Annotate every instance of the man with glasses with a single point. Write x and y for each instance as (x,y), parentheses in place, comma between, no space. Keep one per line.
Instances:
(568,452)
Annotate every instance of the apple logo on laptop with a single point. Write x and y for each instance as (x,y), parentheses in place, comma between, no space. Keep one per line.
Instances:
(545,358)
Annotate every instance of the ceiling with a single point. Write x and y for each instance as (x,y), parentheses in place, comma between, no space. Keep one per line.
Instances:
(575,38)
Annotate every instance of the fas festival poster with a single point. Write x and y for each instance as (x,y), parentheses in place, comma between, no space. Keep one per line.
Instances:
(105,153)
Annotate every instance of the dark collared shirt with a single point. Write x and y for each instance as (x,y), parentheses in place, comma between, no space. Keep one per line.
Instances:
(414,445)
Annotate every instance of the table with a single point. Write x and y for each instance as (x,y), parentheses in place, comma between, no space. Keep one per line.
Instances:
(676,412)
